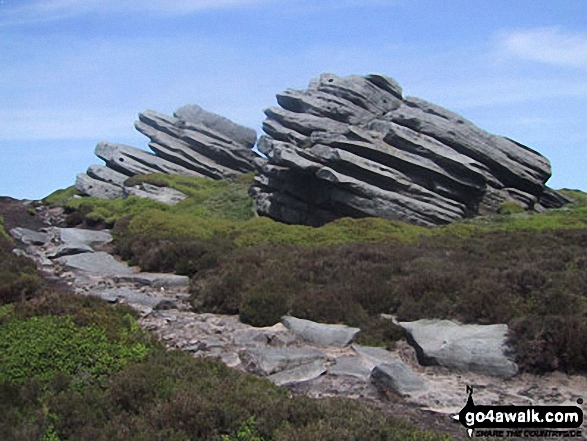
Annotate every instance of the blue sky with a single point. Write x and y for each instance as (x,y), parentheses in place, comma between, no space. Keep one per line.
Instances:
(75,72)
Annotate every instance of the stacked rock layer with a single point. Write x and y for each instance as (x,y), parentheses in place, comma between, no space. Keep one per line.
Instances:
(354,146)
(193,142)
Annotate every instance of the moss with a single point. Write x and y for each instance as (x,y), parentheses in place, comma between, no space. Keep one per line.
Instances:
(60,198)
(579,197)
(510,207)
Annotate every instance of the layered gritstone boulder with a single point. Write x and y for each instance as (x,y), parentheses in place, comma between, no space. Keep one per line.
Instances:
(354,146)
(193,142)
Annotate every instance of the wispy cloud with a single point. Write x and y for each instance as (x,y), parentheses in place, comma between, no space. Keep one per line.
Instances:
(546,45)
(53,10)
(38,11)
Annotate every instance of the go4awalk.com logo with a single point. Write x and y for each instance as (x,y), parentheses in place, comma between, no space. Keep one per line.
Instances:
(521,421)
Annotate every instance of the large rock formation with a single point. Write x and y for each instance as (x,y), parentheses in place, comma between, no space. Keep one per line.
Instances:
(193,142)
(354,146)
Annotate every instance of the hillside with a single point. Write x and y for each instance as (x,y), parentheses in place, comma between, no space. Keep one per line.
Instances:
(526,270)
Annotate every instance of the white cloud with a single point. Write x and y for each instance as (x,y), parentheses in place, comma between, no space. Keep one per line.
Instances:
(53,10)
(546,45)
(38,11)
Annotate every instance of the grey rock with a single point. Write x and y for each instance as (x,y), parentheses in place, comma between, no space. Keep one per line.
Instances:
(276,335)
(69,250)
(99,263)
(80,236)
(29,237)
(110,296)
(349,366)
(89,186)
(321,334)
(193,142)
(18,252)
(131,297)
(267,361)
(155,280)
(105,174)
(131,161)
(373,356)
(353,146)
(196,115)
(398,377)
(299,374)
(166,195)
(476,348)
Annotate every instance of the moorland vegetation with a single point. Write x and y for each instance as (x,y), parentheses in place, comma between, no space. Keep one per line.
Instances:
(524,269)
(77,368)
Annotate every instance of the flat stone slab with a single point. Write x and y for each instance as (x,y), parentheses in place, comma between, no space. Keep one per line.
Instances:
(349,366)
(70,250)
(276,335)
(373,356)
(29,237)
(300,374)
(166,195)
(155,280)
(398,377)
(100,263)
(132,297)
(80,236)
(319,333)
(267,361)
(474,348)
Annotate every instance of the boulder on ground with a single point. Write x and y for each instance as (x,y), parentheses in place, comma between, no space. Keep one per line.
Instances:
(100,263)
(476,348)
(29,237)
(267,361)
(399,378)
(319,333)
(299,374)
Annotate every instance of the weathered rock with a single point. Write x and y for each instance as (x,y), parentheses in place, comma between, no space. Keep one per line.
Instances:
(194,142)
(131,161)
(398,377)
(319,333)
(267,361)
(353,146)
(155,280)
(350,366)
(69,250)
(95,188)
(80,236)
(134,298)
(476,348)
(299,374)
(166,195)
(373,356)
(29,237)
(276,335)
(99,263)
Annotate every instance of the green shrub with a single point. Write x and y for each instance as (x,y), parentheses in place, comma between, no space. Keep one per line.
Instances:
(18,277)
(59,198)
(487,278)
(41,347)
(264,306)
(550,342)
(510,207)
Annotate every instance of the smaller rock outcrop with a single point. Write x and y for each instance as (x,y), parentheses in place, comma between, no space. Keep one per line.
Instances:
(193,142)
